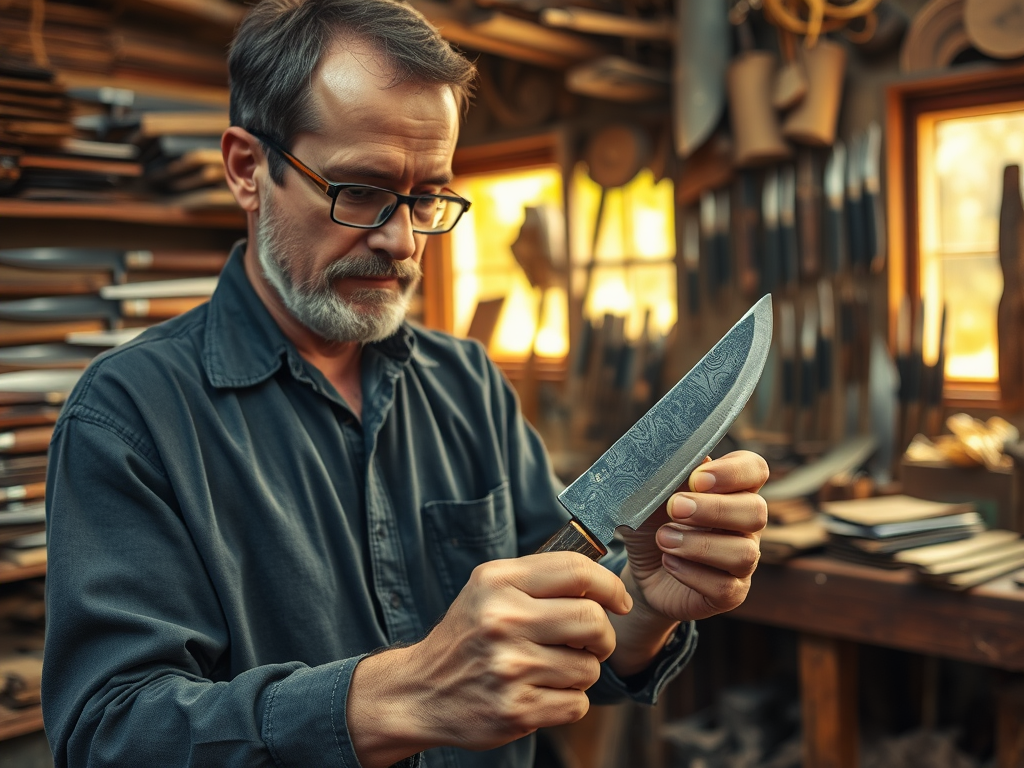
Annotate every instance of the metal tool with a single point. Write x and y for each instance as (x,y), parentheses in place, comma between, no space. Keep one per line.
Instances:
(644,466)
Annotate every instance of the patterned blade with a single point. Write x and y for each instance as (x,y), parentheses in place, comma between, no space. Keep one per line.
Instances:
(645,465)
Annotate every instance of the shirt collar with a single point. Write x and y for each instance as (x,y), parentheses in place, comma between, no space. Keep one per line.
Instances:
(244,345)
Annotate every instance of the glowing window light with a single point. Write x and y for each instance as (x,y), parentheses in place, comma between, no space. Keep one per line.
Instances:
(484,266)
(961,157)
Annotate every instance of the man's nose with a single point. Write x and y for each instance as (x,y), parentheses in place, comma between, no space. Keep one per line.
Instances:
(395,237)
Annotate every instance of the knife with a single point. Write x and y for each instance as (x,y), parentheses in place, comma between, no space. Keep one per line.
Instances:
(48,308)
(935,377)
(22,492)
(26,440)
(770,216)
(723,236)
(790,258)
(707,239)
(37,386)
(835,239)
(691,261)
(808,371)
(808,212)
(113,260)
(874,218)
(855,230)
(826,337)
(653,458)
(787,349)
(28,415)
(161,289)
(746,245)
(54,355)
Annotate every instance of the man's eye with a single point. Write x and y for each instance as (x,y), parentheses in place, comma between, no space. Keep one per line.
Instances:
(363,195)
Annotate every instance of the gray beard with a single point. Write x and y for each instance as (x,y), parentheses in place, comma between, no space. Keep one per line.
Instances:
(378,312)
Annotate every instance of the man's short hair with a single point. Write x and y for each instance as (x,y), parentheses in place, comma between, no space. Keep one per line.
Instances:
(280,44)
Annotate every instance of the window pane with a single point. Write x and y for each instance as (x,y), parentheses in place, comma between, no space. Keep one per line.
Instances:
(485,267)
(633,271)
(962,155)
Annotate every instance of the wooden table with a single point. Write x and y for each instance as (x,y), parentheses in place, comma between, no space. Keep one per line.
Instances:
(835,605)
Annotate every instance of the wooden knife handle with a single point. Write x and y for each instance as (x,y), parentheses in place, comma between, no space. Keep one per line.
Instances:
(161,308)
(22,492)
(573,537)
(177,261)
(26,440)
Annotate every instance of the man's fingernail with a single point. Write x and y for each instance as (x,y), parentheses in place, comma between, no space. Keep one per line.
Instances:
(701,482)
(629,602)
(682,507)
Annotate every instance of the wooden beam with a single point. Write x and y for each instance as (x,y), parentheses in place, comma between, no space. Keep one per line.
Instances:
(612,24)
(507,36)
(828,701)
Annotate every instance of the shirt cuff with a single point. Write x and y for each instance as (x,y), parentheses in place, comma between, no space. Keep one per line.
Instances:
(646,686)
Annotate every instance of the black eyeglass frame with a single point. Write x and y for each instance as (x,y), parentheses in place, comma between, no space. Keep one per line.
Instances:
(333,188)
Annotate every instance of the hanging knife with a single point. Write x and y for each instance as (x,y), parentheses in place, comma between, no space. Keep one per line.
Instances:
(655,456)
(808,212)
(790,258)
(808,371)
(27,415)
(26,440)
(855,229)
(707,239)
(903,344)
(835,238)
(787,347)
(54,355)
(161,289)
(723,236)
(874,218)
(770,267)
(48,308)
(935,375)
(826,341)
(691,260)
(113,260)
(747,221)
(37,386)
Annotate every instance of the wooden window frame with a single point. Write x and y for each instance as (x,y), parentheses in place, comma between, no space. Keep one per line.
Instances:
(510,154)
(906,101)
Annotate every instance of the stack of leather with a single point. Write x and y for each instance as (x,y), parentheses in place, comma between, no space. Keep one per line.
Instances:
(964,564)
(34,110)
(182,150)
(70,37)
(42,152)
(875,530)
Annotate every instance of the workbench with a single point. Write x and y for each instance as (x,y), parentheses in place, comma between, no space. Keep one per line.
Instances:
(836,605)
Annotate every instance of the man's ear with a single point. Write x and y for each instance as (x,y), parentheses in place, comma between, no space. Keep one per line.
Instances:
(242,154)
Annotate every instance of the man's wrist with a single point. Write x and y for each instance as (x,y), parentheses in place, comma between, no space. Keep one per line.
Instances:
(640,635)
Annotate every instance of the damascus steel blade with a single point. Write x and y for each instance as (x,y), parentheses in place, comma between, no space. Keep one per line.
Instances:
(644,466)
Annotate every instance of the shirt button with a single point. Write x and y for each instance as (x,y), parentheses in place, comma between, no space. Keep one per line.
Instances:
(381,531)
(396,600)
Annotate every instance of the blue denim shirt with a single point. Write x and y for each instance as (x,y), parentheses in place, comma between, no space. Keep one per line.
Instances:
(227,540)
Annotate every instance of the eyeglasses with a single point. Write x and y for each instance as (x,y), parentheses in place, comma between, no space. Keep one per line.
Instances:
(367,207)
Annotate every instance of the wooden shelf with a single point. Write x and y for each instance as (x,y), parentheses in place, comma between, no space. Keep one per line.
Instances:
(11,572)
(131,212)
(219,12)
(18,722)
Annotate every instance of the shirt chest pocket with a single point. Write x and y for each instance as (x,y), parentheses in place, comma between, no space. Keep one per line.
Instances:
(465,534)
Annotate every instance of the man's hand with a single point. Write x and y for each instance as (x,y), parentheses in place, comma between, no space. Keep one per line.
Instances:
(694,556)
(514,653)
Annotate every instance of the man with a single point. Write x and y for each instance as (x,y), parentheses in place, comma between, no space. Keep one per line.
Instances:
(290,529)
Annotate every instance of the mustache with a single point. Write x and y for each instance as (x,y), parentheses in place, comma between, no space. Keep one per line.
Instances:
(372,265)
